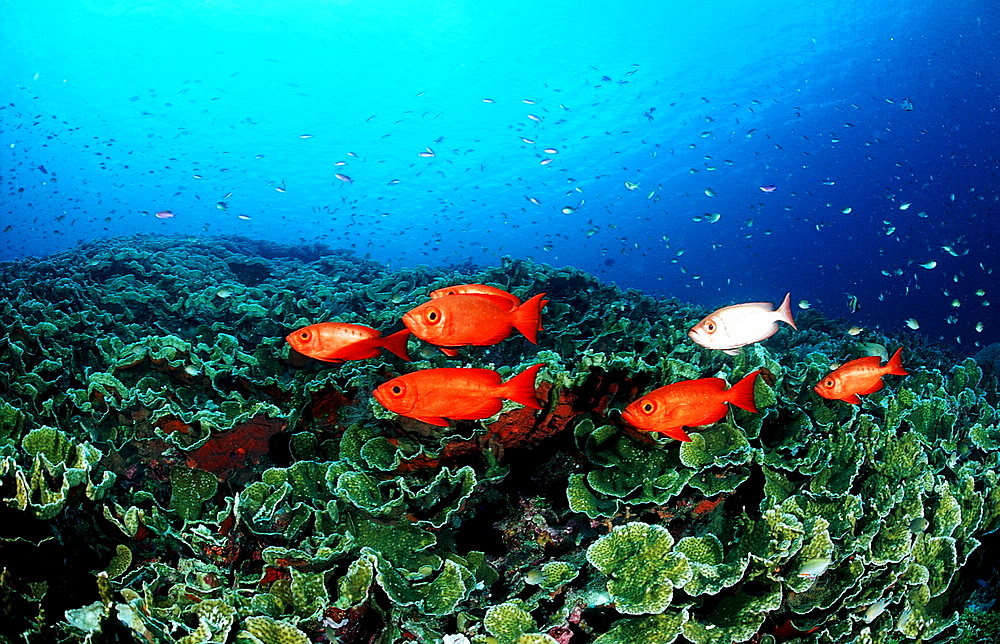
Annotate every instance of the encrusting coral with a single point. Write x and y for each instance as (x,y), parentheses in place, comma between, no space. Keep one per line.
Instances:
(159,436)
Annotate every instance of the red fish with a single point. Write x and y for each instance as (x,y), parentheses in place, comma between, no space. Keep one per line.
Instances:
(482,289)
(859,377)
(477,319)
(337,342)
(691,403)
(433,395)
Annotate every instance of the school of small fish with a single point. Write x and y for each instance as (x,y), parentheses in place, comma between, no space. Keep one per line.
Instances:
(544,152)
(478,315)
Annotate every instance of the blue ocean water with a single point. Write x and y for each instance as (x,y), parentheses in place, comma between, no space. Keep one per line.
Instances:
(716,151)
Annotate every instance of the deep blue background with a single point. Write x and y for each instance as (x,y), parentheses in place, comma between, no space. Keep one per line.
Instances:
(114,110)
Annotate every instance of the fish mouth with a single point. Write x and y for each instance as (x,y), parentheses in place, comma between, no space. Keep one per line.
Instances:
(410,322)
(380,397)
(697,338)
(630,418)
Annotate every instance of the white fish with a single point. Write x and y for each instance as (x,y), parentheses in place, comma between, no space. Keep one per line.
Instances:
(875,610)
(732,327)
(813,568)
(875,349)
(913,324)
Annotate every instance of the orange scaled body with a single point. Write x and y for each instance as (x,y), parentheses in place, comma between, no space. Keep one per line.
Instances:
(477,289)
(859,377)
(479,319)
(338,342)
(433,395)
(691,403)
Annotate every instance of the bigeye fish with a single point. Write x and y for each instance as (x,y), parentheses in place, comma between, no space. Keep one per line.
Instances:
(689,403)
(859,377)
(435,395)
(732,327)
(470,318)
(338,342)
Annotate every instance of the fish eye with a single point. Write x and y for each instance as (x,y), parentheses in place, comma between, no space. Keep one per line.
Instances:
(397,390)
(828,383)
(304,335)
(648,407)
(433,316)
(710,327)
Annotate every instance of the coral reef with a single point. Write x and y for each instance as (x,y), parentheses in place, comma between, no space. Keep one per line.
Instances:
(171,471)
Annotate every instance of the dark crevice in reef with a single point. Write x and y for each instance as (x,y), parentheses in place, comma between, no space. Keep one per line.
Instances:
(62,553)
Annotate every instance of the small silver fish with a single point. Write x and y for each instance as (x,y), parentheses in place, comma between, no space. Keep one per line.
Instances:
(875,610)
(813,568)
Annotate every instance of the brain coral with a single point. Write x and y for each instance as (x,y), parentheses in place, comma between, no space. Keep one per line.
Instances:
(171,471)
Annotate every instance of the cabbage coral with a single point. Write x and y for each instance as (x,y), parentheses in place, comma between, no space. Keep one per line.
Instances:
(202,482)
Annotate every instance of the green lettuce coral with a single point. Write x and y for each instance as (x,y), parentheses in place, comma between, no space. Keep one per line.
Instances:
(156,428)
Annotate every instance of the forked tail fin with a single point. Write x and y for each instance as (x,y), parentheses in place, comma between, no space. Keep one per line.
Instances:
(521,388)
(741,394)
(396,343)
(527,317)
(785,311)
(895,364)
